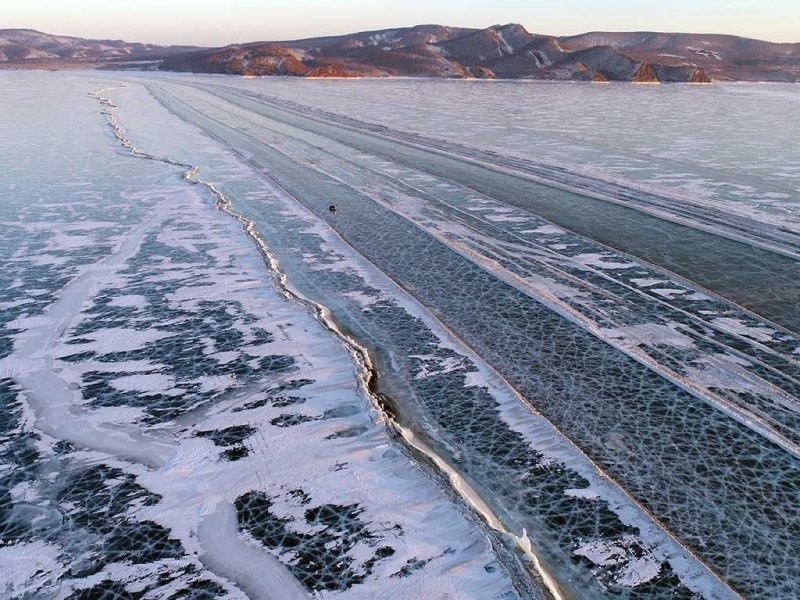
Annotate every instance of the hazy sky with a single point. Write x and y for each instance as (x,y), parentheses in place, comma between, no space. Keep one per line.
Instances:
(218,22)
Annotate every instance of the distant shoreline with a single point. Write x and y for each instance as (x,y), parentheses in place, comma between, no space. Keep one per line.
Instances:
(90,67)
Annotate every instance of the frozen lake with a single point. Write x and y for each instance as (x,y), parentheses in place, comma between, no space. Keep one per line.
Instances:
(548,344)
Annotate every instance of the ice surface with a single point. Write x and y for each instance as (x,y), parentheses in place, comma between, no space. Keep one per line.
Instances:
(161,376)
(605,133)
(325,247)
(27,567)
(588,284)
(637,570)
(614,428)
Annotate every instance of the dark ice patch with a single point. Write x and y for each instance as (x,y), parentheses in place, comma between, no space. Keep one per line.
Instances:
(322,560)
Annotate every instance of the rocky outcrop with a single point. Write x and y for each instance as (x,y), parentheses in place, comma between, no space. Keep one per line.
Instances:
(613,65)
(685,73)
(330,71)
(236,60)
(260,65)
(699,76)
(482,73)
(645,74)
(339,70)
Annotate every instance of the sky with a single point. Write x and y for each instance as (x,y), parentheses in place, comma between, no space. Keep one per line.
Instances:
(220,22)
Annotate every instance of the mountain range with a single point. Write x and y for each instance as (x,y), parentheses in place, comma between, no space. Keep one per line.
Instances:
(28,47)
(500,51)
